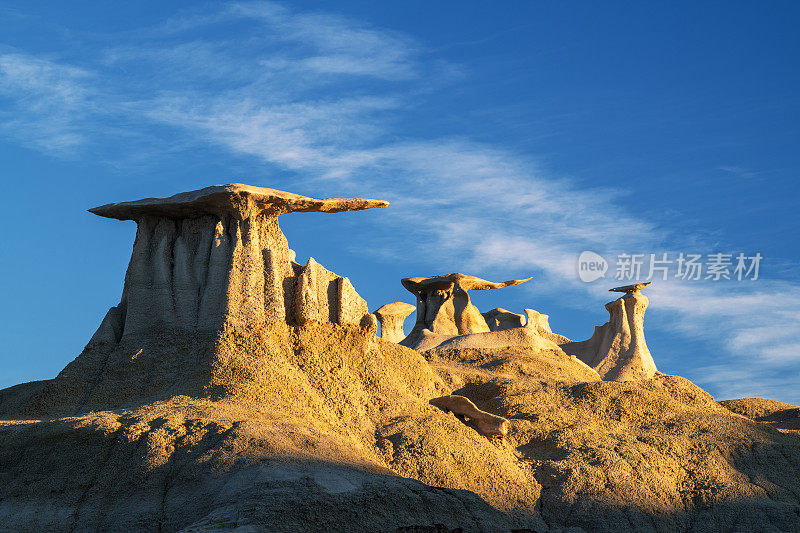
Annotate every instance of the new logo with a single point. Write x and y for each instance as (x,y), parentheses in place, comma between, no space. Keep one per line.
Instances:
(591,266)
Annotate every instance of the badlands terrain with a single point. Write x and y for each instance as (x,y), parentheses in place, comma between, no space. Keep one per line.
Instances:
(232,388)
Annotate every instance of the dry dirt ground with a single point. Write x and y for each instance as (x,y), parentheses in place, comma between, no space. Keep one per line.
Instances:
(327,428)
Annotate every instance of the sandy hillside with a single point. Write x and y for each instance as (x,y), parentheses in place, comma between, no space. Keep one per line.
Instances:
(329,427)
(783,416)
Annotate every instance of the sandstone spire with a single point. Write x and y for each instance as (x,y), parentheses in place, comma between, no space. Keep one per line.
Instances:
(617,349)
(444,307)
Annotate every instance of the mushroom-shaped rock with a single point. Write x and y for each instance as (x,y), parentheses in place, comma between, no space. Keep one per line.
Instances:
(444,307)
(213,256)
(391,317)
(486,423)
(499,319)
(617,350)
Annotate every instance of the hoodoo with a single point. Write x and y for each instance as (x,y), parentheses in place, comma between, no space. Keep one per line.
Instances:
(617,349)
(204,263)
(444,307)
(217,255)
(391,317)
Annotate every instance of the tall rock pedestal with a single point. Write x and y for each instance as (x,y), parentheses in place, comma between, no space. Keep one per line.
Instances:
(617,349)
(204,263)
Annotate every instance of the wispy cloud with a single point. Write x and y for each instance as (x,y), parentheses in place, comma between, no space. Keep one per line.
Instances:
(43,102)
(339,46)
(739,172)
(318,94)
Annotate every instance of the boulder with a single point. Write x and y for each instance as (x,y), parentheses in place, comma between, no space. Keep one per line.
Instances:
(487,424)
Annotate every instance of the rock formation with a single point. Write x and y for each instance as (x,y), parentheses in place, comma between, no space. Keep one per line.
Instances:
(486,423)
(203,262)
(391,317)
(499,319)
(540,323)
(617,349)
(290,421)
(216,255)
(631,288)
(444,307)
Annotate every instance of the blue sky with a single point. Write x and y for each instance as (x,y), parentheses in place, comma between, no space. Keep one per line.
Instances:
(508,139)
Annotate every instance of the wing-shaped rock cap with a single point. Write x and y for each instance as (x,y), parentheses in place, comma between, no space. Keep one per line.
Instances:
(464,281)
(232,199)
(630,288)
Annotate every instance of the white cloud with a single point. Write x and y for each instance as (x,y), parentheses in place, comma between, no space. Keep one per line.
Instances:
(338,45)
(42,100)
(750,381)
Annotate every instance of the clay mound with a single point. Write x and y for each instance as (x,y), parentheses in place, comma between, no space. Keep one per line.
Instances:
(336,433)
(783,416)
(318,418)
(508,338)
(194,465)
(459,367)
(658,454)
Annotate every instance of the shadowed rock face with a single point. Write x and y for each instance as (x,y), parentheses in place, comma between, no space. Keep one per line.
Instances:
(499,319)
(617,349)
(444,307)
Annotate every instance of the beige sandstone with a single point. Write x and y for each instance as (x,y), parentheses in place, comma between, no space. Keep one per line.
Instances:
(217,255)
(487,424)
(391,317)
(617,350)
(444,307)
(499,319)
(540,323)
